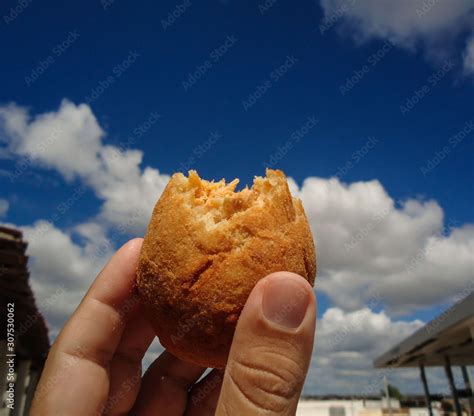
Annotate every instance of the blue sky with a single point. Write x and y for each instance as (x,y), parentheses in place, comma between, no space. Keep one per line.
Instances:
(353,79)
(311,87)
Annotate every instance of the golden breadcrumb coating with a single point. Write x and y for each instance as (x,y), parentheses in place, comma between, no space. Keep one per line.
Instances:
(205,249)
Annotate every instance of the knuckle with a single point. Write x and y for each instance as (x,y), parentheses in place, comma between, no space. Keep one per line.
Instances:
(269,379)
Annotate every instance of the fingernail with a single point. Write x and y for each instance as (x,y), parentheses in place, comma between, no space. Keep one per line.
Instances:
(285,301)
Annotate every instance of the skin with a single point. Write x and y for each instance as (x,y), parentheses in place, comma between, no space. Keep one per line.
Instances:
(94,366)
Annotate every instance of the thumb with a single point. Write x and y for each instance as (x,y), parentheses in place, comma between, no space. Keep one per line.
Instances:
(271,350)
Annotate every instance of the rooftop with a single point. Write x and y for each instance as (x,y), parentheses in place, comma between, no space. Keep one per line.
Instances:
(449,334)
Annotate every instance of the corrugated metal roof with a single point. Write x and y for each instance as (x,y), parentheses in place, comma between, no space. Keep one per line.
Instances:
(450,334)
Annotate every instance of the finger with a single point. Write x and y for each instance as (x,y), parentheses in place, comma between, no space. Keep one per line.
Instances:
(165,386)
(84,348)
(126,365)
(271,349)
(202,399)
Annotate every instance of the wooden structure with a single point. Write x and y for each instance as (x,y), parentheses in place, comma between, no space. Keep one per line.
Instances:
(30,334)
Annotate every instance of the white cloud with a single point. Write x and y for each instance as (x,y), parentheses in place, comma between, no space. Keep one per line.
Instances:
(345,347)
(372,250)
(367,243)
(129,193)
(4,205)
(346,342)
(431,25)
(56,258)
(61,270)
(369,246)
(355,332)
(70,140)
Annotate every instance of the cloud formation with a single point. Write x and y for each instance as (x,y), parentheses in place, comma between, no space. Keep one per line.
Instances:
(70,141)
(368,243)
(61,269)
(347,343)
(371,245)
(432,26)
(374,252)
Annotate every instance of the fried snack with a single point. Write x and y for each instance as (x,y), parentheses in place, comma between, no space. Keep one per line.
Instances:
(205,249)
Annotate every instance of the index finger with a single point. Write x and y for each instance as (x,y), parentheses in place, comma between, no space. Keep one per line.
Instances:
(84,348)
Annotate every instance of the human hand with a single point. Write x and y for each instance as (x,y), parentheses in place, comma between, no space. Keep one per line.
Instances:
(94,366)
